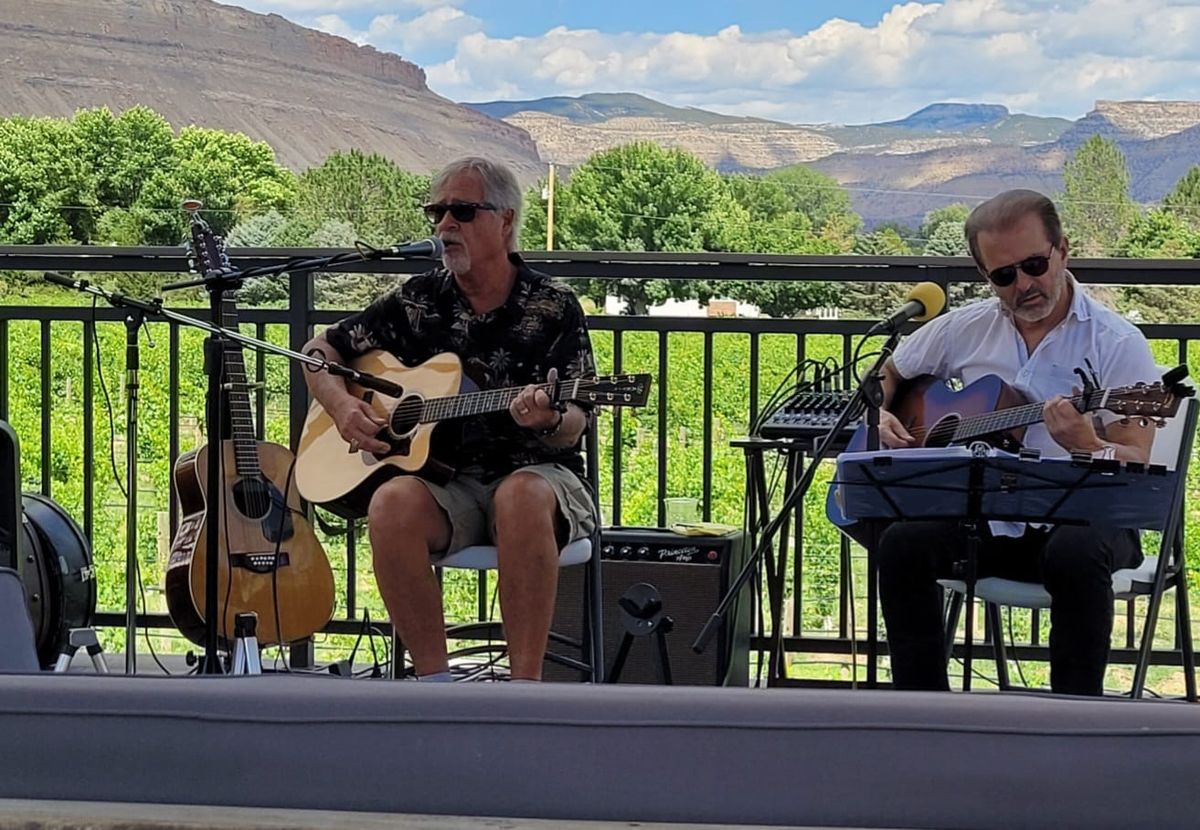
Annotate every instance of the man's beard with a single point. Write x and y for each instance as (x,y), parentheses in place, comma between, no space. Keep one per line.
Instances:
(457,259)
(1035,314)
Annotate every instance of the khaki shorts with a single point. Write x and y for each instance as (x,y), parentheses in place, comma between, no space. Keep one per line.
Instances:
(467,503)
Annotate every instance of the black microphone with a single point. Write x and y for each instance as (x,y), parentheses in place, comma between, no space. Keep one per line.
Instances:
(925,301)
(66,282)
(429,248)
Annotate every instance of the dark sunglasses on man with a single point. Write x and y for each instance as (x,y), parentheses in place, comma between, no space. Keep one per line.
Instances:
(1034,266)
(461,211)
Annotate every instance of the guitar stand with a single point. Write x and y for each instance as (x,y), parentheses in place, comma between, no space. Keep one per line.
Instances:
(81,638)
(642,615)
(246,659)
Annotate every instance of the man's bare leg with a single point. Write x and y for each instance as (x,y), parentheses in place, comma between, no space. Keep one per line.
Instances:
(405,524)
(526,511)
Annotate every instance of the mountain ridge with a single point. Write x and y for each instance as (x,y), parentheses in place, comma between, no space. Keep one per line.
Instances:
(304,92)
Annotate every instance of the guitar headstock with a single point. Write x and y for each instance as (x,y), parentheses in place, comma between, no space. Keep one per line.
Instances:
(207,250)
(1153,401)
(613,390)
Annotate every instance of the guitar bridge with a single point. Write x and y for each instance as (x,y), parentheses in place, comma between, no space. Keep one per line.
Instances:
(259,563)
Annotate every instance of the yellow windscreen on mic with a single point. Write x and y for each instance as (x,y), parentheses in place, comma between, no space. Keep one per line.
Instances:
(930,295)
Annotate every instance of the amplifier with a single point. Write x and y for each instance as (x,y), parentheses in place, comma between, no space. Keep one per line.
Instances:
(691,574)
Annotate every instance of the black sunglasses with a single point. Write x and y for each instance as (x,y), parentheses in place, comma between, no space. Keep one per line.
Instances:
(461,211)
(1034,266)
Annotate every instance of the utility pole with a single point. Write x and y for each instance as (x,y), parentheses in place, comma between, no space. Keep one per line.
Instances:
(550,211)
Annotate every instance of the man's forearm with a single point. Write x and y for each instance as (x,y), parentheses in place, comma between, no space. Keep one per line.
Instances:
(328,389)
(574,422)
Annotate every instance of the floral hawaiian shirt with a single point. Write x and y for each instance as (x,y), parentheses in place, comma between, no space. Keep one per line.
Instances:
(541,326)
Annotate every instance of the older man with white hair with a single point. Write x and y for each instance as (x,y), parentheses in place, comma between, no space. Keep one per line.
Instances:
(518,482)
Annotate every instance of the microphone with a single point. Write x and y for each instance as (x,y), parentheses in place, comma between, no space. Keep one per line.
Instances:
(925,301)
(429,248)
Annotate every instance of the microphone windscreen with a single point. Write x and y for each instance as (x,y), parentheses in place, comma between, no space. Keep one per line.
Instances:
(930,295)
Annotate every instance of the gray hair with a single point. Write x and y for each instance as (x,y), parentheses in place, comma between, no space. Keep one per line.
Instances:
(500,187)
(1005,210)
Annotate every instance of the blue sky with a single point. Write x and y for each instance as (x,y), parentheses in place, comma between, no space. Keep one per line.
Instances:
(804,61)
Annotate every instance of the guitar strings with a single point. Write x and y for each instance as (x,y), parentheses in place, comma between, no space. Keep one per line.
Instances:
(471,403)
(984,424)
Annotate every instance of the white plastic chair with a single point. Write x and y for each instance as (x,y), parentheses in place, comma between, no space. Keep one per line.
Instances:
(1172,448)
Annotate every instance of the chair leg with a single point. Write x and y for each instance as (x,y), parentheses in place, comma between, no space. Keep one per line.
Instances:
(993,613)
(594,610)
(953,611)
(1183,626)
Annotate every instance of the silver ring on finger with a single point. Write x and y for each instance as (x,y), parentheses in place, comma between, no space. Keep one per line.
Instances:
(353,445)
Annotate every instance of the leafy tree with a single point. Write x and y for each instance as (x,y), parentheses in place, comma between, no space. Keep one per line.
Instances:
(1184,198)
(1097,208)
(381,202)
(641,197)
(947,239)
(46,192)
(1161,233)
(820,198)
(775,226)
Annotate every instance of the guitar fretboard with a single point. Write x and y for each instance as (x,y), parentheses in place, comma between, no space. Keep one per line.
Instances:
(490,400)
(1017,416)
(241,418)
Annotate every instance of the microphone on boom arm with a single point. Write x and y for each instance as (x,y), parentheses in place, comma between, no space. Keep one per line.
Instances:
(429,248)
(924,302)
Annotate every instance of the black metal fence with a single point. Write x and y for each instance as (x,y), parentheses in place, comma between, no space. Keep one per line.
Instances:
(300,318)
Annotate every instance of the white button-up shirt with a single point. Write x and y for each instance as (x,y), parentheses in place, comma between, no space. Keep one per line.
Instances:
(980,339)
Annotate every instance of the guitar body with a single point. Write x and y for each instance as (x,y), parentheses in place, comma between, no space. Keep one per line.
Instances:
(329,474)
(249,520)
(927,407)
(930,409)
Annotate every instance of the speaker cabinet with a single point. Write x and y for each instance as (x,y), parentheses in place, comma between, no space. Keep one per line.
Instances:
(691,574)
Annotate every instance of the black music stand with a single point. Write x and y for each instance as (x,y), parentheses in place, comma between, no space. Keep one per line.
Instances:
(980,483)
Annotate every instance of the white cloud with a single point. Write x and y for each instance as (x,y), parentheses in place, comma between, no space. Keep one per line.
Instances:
(437,27)
(334,25)
(1045,58)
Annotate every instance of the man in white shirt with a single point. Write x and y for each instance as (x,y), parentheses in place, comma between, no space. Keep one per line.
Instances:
(1033,334)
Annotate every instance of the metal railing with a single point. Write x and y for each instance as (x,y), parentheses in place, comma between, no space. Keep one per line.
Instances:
(300,319)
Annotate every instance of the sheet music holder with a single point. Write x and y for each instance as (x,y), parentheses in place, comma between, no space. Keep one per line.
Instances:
(933,483)
(980,483)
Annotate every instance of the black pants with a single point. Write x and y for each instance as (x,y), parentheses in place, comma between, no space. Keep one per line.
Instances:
(1074,563)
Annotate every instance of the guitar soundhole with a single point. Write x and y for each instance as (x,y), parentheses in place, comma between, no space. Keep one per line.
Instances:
(252,498)
(405,416)
(942,432)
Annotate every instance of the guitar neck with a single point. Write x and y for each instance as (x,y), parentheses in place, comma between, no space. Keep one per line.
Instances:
(241,417)
(489,400)
(1003,420)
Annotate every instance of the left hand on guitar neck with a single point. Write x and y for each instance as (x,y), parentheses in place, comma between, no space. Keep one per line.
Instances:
(531,408)
(1070,428)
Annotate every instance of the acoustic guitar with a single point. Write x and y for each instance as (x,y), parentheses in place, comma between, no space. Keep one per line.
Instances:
(992,411)
(270,561)
(328,473)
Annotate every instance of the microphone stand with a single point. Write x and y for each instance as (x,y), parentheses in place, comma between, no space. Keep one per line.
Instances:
(869,393)
(136,312)
(217,280)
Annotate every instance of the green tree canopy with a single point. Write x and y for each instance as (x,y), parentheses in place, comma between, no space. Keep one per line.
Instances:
(641,197)
(381,202)
(1096,206)
(820,198)
(1184,198)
